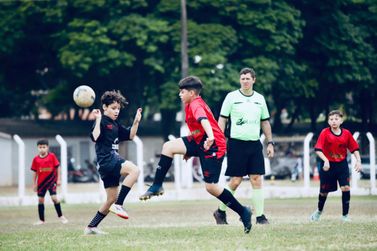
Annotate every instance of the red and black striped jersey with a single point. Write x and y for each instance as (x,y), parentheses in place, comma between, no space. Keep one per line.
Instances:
(46,168)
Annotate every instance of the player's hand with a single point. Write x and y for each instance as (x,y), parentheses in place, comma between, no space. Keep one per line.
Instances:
(138,116)
(208,143)
(97,113)
(35,188)
(358,166)
(58,182)
(270,151)
(326,166)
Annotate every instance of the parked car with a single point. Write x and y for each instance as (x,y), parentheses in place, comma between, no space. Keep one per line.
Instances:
(365,167)
(283,167)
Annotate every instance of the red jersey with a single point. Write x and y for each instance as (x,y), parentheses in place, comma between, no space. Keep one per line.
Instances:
(195,112)
(46,168)
(334,147)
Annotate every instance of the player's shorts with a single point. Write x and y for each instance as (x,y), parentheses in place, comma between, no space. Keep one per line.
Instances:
(110,170)
(43,188)
(338,172)
(210,160)
(244,158)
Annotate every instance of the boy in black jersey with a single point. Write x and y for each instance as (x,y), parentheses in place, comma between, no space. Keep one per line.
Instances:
(107,132)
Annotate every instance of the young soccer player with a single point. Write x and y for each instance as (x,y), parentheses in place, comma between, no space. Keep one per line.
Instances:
(331,147)
(46,177)
(107,132)
(206,141)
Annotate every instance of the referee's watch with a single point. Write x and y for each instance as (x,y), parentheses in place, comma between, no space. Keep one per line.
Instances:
(271,142)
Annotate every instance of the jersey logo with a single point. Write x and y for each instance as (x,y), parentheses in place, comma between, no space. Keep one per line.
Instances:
(241,121)
(109,126)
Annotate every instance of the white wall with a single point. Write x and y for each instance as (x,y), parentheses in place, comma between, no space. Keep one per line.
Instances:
(5,163)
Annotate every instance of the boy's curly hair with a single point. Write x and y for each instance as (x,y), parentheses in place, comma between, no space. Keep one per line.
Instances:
(110,97)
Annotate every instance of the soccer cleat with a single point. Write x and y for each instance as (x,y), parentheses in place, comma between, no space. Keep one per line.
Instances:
(63,219)
(38,223)
(315,216)
(220,217)
(118,210)
(262,220)
(154,190)
(94,231)
(346,218)
(246,219)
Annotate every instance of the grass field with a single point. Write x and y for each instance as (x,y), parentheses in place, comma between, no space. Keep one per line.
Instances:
(189,225)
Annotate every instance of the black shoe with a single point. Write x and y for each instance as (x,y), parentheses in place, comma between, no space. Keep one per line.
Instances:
(220,217)
(262,220)
(246,219)
(154,190)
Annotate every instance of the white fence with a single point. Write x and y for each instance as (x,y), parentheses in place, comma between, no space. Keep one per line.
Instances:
(183,184)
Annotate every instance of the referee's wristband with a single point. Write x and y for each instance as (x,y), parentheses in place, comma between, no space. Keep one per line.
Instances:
(271,142)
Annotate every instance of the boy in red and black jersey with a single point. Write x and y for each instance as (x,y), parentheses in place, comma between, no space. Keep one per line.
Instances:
(331,147)
(206,141)
(45,178)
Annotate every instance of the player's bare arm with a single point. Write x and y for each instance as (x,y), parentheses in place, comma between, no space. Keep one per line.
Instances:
(35,187)
(58,180)
(222,123)
(326,165)
(208,129)
(358,161)
(97,130)
(266,128)
(135,124)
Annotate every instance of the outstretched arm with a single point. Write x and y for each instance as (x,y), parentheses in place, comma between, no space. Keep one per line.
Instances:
(135,124)
(97,130)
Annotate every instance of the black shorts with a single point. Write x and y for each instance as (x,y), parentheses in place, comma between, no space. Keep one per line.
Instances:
(338,172)
(244,158)
(51,188)
(110,170)
(209,160)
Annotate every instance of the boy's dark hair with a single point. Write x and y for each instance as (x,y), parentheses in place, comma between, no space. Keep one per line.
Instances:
(336,112)
(191,83)
(248,70)
(42,142)
(110,97)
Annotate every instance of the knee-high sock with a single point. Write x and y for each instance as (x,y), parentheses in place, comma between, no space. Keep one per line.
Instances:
(58,209)
(321,202)
(163,167)
(122,194)
(228,199)
(346,197)
(97,219)
(222,206)
(41,211)
(257,200)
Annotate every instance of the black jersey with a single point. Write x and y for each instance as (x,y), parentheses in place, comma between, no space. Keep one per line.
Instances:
(112,132)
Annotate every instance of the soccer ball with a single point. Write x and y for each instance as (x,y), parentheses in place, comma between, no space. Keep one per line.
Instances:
(84,96)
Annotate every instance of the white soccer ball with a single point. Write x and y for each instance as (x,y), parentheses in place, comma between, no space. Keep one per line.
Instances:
(84,96)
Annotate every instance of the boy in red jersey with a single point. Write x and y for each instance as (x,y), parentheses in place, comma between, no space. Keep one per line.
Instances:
(46,176)
(331,147)
(206,141)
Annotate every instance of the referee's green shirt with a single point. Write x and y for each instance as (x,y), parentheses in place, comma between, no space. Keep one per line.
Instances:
(246,114)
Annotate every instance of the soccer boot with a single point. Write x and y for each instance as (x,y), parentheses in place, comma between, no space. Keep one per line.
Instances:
(246,219)
(94,231)
(63,219)
(220,217)
(316,215)
(346,218)
(262,220)
(119,211)
(154,190)
(38,223)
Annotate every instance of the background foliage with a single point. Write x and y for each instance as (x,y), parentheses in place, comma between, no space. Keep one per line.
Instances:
(310,56)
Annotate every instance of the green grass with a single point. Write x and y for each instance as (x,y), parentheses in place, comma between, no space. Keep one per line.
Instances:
(189,225)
